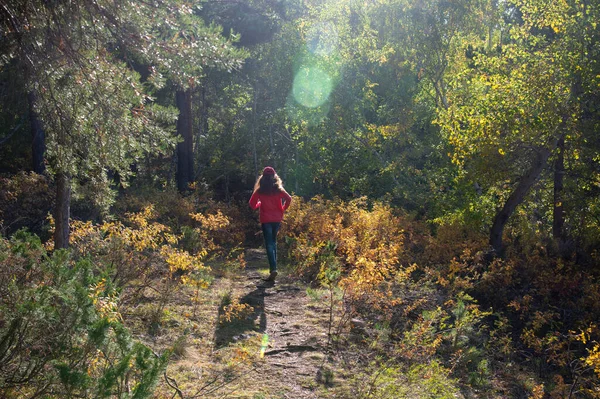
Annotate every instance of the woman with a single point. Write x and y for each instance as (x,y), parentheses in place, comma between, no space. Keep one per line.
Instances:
(272,200)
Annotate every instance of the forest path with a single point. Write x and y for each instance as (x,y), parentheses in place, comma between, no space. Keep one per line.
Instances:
(296,327)
(217,356)
(222,357)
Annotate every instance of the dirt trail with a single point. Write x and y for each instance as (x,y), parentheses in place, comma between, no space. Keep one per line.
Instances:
(221,358)
(296,328)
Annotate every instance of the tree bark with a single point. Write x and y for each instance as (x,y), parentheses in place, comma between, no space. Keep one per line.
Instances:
(516,198)
(62,211)
(558,221)
(185,149)
(203,131)
(38,137)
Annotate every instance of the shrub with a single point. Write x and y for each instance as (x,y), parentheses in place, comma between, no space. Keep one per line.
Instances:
(142,249)
(178,213)
(60,332)
(368,242)
(387,380)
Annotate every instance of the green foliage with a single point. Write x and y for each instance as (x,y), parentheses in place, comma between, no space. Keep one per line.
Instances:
(95,108)
(424,381)
(58,337)
(513,97)
(430,106)
(182,46)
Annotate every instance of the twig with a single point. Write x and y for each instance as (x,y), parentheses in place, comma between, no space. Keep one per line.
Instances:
(170,381)
(216,388)
(173,385)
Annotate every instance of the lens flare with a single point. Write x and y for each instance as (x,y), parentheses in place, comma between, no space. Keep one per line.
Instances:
(264,345)
(312,87)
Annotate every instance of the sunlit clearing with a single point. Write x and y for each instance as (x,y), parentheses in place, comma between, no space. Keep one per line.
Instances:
(312,86)
(322,39)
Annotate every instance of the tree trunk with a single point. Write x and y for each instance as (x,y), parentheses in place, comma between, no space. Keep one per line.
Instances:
(185,149)
(203,131)
(62,211)
(38,142)
(559,175)
(516,198)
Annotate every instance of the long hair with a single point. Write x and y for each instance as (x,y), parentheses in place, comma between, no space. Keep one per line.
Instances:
(268,184)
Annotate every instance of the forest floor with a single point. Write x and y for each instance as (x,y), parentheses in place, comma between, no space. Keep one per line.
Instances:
(216,337)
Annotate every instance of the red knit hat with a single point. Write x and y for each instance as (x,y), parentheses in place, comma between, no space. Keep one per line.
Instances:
(268,171)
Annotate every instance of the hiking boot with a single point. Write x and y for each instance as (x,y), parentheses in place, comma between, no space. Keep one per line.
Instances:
(271,276)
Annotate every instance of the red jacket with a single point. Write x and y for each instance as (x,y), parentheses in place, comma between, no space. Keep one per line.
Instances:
(271,205)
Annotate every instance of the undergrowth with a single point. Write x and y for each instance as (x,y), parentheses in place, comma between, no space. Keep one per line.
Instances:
(410,313)
(521,326)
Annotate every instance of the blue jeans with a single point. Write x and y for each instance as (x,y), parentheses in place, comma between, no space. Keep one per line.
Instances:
(270,233)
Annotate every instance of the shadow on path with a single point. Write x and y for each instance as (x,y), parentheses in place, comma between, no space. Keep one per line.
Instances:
(256,322)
